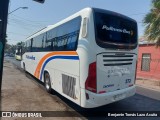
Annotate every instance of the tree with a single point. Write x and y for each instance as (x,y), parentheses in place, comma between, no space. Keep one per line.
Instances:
(7,46)
(152,23)
(19,44)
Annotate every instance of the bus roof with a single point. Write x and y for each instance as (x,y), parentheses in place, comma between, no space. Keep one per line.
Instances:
(85,10)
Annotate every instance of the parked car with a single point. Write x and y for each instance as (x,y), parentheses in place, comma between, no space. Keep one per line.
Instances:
(11,55)
(6,54)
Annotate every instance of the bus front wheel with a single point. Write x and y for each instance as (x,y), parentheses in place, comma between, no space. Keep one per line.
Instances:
(47,82)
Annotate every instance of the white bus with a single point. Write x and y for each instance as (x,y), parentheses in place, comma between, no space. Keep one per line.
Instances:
(18,53)
(89,58)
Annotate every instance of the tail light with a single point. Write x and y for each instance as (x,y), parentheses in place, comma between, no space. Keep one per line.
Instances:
(135,72)
(91,83)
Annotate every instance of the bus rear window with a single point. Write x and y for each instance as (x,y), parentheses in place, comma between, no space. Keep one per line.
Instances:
(115,31)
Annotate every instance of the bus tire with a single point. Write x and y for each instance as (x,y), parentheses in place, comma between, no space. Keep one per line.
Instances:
(47,82)
(24,68)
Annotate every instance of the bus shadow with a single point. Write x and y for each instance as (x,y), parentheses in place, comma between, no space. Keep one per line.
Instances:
(100,112)
(135,103)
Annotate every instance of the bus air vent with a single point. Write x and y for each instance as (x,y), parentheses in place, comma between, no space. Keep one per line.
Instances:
(68,85)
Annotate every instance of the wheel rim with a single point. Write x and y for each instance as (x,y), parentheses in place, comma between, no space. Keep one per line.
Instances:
(47,82)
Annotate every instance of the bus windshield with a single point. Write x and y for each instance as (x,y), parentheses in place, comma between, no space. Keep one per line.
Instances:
(113,30)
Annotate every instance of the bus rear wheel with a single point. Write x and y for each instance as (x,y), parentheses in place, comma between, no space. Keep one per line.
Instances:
(47,82)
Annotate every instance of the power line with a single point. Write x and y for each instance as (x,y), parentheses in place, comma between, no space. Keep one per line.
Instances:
(14,40)
(39,22)
(25,23)
(21,26)
(17,33)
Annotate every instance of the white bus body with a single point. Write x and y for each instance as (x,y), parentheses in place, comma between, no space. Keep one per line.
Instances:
(82,62)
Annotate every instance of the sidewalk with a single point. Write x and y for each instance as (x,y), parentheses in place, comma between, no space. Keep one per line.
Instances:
(20,93)
(148,83)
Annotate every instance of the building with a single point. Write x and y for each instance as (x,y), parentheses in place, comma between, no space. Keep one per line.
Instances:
(148,61)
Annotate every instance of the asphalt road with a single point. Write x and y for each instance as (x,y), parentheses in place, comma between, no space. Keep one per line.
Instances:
(142,101)
(14,61)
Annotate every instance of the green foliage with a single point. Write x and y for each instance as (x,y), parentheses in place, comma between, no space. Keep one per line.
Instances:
(152,23)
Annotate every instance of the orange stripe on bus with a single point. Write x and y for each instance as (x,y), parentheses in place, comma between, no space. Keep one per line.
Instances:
(37,71)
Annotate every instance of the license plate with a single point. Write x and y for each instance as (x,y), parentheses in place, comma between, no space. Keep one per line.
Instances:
(118,96)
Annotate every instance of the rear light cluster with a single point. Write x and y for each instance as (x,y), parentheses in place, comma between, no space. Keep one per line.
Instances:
(134,76)
(135,72)
(91,83)
(101,92)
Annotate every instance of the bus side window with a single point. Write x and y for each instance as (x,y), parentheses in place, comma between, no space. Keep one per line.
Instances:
(31,44)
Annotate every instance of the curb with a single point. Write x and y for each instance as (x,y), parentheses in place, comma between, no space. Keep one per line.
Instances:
(148,88)
(155,81)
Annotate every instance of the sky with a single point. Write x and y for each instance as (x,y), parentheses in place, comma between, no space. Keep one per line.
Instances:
(24,22)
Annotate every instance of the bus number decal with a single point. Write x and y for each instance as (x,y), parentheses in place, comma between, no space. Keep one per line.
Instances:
(128,81)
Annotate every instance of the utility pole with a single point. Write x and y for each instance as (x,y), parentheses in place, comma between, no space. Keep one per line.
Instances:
(3,25)
(18,9)
(21,49)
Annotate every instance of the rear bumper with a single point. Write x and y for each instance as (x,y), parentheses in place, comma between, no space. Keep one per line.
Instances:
(96,100)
